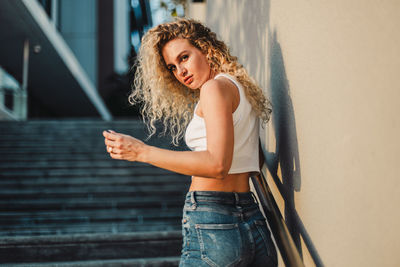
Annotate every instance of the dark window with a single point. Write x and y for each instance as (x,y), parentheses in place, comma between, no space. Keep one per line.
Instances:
(9,98)
(140,19)
(46,6)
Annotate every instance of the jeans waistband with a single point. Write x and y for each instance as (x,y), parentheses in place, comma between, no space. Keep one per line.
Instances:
(235,198)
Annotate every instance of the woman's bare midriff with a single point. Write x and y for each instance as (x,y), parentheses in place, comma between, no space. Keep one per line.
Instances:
(238,182)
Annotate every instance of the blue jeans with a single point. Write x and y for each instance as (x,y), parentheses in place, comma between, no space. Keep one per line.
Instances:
(225,229)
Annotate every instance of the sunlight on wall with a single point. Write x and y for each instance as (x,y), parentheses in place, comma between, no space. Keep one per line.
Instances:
(331,72)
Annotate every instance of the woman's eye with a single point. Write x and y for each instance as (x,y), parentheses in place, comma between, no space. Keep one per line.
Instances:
(171,68)
(185,57)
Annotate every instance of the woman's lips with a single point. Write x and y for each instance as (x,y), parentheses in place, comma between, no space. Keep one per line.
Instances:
(189,79)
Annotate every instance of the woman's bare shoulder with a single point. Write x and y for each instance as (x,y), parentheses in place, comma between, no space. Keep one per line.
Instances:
(222,85)
(221,92)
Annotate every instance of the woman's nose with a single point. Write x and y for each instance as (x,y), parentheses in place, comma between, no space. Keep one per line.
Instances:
(182,71)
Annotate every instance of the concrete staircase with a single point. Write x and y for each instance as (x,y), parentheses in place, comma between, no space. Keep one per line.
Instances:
(65,202)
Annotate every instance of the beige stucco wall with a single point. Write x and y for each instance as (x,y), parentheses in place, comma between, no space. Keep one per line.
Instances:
(332,71)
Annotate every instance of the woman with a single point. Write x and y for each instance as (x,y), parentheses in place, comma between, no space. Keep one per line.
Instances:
(187,78)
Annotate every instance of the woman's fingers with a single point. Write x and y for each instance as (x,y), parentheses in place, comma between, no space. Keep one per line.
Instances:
(116,151)
(108,142)
(115,155)
(121,146)
(114,143)
(110,135)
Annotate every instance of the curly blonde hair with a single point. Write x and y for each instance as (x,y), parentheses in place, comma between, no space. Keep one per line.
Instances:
(164,98)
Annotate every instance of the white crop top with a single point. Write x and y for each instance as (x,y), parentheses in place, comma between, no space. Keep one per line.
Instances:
(246,131)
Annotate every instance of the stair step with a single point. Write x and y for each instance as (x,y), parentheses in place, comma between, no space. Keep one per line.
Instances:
(94,181)
(142,262)
(54,158)
(62,187)
(115,227)
(91,204)
(100,163)
(14,218)
(83,172)
(94,190)
(86,247)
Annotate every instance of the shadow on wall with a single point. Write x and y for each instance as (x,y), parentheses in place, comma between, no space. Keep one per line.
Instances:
(284,163)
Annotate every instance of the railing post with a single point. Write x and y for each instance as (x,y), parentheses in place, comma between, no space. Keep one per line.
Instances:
(20,97)
(54,12)
(1,90)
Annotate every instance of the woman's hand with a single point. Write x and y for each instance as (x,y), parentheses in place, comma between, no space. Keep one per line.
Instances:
(122,146)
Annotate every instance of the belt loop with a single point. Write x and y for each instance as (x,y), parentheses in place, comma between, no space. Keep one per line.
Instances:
(193,200)
(236,198)
(238,207)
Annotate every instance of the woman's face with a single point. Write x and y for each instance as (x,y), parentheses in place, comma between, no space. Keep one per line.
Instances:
(188,64)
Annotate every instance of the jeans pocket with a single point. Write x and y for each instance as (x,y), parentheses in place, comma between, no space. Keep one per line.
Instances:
(262,228)
(220,244)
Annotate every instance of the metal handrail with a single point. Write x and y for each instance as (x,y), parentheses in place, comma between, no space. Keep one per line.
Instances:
(283,239)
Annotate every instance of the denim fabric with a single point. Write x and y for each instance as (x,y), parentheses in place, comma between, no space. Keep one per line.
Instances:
(225,229)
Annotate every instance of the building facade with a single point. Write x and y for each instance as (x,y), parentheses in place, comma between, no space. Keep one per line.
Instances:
(70,58)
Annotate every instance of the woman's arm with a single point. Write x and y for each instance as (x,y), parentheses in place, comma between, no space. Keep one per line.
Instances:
(217,104)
